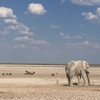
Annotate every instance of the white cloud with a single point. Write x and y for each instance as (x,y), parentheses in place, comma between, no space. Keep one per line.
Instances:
(62,34)
(91,16)
(63,1)
(67,36)
(55,26)
(10,21)
(24,38)
(78,44)
(6,13)
(83,44)
(16,27)
(20,28)
(9,18)
(40,42)
(98,12)
(36,9)
(30,40)
(86,2)
(77,37)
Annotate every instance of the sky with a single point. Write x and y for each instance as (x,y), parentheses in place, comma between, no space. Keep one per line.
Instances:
(49,31)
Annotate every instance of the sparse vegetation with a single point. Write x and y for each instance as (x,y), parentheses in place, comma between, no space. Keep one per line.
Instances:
(3,73)
(10,73)
(6,74)
(52,74)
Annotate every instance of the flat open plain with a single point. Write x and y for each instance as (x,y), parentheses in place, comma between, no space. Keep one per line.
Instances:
(47,83)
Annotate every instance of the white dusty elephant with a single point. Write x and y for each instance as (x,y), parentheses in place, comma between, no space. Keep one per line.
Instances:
(79,69)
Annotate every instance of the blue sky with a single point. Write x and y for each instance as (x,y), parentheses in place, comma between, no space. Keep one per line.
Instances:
(49,31)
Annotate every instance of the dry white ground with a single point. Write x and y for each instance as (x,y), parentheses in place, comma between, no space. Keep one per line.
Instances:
(48,83)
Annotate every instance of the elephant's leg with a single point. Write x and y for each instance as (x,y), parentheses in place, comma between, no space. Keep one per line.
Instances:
(79,79)
(88,77)
(68,78)
(70,81)
(84,78)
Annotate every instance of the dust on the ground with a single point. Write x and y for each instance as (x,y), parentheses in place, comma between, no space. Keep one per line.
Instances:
(47,84)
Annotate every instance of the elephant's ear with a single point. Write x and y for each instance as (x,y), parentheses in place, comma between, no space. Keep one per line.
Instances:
(73,63)
(85,66)
(70,65)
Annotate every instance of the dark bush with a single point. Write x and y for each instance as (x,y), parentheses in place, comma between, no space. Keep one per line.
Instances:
(52,74)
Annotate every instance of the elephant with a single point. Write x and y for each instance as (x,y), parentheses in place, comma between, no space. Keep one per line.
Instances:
(77,68)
